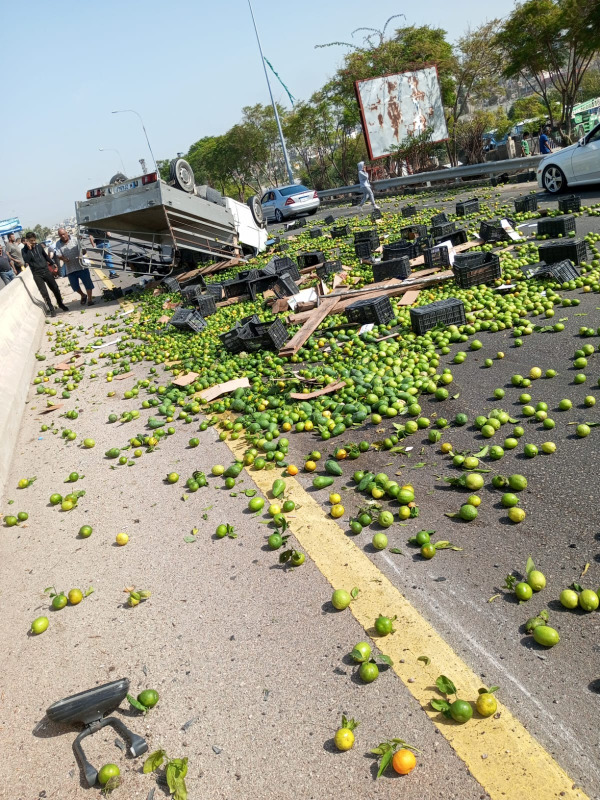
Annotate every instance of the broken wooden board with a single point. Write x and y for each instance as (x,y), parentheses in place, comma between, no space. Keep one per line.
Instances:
(223,388)
(185,380)
(221,265)
(315,318)
(332,387)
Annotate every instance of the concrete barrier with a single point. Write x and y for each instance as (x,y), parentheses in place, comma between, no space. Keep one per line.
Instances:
(21,325)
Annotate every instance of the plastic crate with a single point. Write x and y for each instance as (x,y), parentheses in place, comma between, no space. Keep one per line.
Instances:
(299,223)
(191,293)
(564,271)
(315,233)
(232,341)
(574,250)
(444,312)
(470,259)
(235,288)
(413,231)
(569,204)
(438,256)
(466,207)
(456,237)
(492,231)
(472,274)
(310,259)
(339,231)
(379,310)
(284,286)
(367,236)
(216,290)
(171,284)
(555,226)
(185,319)
(376,214)
(392,268)
(247,274)
(363,249)
(273,333)
(528,203)
(409,211)
(329,220)
(285,264)
(328,268)
(260,285)
(443,229)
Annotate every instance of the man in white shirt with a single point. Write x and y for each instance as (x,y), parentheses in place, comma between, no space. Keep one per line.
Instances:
(363,179)
(67,250)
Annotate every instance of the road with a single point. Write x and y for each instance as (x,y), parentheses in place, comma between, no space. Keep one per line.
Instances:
(255,654)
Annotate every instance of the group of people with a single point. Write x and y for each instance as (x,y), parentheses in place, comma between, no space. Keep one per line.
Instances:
(45,266)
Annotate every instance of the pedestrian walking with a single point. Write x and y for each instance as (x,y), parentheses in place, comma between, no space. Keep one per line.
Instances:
(6,271)
(99,240)
(14,253)
(545,141)
(367,191)
(525,144)
(67,251)
(42,268)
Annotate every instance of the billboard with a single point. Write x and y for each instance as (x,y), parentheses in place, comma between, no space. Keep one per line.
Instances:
(394,107)
(11,225)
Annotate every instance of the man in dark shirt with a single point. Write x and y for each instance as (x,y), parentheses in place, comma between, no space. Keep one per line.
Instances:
(39,262)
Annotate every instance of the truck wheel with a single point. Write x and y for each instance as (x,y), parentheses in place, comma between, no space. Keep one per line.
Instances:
(118,178)
(182,175)
(257,212)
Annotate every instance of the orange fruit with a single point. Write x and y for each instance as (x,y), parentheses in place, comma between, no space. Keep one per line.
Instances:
(404,761)
(292,469)
(310,466)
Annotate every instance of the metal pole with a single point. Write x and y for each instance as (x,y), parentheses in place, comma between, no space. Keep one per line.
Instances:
(133,111)
(114,150)
(262,58)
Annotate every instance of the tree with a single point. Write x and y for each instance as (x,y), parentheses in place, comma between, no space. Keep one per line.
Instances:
(550,44)
(41,231)
(527,108)
(589,88)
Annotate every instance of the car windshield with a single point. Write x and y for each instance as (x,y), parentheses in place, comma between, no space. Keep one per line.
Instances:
(286,191)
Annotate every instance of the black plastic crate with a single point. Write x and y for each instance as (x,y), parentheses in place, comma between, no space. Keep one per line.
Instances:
(405,248)
(376,214)
(299,223)
(492,231)
(285,264)
(438,256)
(310,259)
(329,220)
(216,290)
(569,204)
(528,203)
(409,211)
(232,341)
(185,319)
(465,207)
(456,237)
(379,310)
(574,250)
(555,226)
(470,259)
(235,288)
(274,332)
(439,219)
(339,231)
(443,229)
(206,305)
(284,286)
(191,293)
(367,236)
(268,269)
(413,231)
(260,285)
(291,269)
(470,274)
(328,268)
(564,271)
(171,284)
(392,268)
(363,249)
(247,274)
(315,233)
(444,312)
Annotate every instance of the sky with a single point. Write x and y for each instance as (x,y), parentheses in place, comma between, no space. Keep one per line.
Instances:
(187,67)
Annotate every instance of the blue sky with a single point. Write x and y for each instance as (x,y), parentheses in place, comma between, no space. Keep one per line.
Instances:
(187,66)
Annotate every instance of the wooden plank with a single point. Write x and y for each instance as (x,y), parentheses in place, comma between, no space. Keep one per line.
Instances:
(223,388)
(312,323)
(332,387)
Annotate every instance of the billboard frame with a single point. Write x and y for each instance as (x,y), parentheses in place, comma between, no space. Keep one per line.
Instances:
(362,111)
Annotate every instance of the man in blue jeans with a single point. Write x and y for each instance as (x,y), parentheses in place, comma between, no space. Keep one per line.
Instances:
(99,239)
(545,141)
(67,250)
(6,270)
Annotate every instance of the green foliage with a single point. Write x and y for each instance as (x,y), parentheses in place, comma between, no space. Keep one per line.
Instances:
(527,108)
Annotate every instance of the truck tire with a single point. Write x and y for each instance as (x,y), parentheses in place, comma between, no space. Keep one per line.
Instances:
(182,175)
(118,178)
(210,194)
(257,212)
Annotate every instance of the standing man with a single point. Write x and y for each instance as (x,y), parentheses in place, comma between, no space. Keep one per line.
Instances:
(39,263)
(99,239)
(545,141)
(15,256)
(367,191)
(67,250)
(6,270)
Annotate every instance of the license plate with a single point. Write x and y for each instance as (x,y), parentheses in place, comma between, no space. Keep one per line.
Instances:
(123,187)
(304,197)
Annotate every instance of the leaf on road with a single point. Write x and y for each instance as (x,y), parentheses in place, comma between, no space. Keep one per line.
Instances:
(425,659)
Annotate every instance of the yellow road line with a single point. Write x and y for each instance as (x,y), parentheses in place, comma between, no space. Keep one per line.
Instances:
(516,765)
(125,304)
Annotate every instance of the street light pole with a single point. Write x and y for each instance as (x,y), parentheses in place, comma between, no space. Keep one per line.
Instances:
(132,111)
(262,58)
(114,150)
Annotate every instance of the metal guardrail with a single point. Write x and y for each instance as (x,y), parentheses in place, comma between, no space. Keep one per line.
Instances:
(470,171)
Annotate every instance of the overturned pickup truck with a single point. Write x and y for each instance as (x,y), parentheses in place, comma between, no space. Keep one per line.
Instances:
(157,226)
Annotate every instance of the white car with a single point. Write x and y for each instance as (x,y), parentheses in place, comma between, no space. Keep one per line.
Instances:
(283,202)
(576,165)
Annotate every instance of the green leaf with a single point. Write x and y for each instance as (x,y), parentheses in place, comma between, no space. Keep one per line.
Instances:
(385,762)
(439,705)
(419,465)
(385,660)
(445,685)
(154,761)
(175,773)
(354,592)
(136,704)
(377,751)
(577,587)
(456,396)
(425,659)
(493,689)
(189,539)
(357,656)
(250,492)
(396,551)
(88,591)
(530,566)
(483,452)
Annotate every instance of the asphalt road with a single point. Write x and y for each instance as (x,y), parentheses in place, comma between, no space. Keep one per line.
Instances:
(252,653)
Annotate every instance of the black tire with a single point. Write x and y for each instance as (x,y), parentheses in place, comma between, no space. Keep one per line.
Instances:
(313,212)
(256,209)
(554,179)
(118,178)
(278,216)
(182,175)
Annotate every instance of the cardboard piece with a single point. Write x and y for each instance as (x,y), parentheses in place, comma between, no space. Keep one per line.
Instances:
(409,298)
(51,408)
(223,388)
(332,387)
(64,365)
(170,363)
(171,305)
(163,319)
(123,376)
(185,380)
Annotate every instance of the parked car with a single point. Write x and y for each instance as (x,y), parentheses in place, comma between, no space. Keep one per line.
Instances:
(576,165)
(284,202)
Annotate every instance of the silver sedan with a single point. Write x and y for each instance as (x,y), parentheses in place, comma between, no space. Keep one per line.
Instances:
(284,202)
